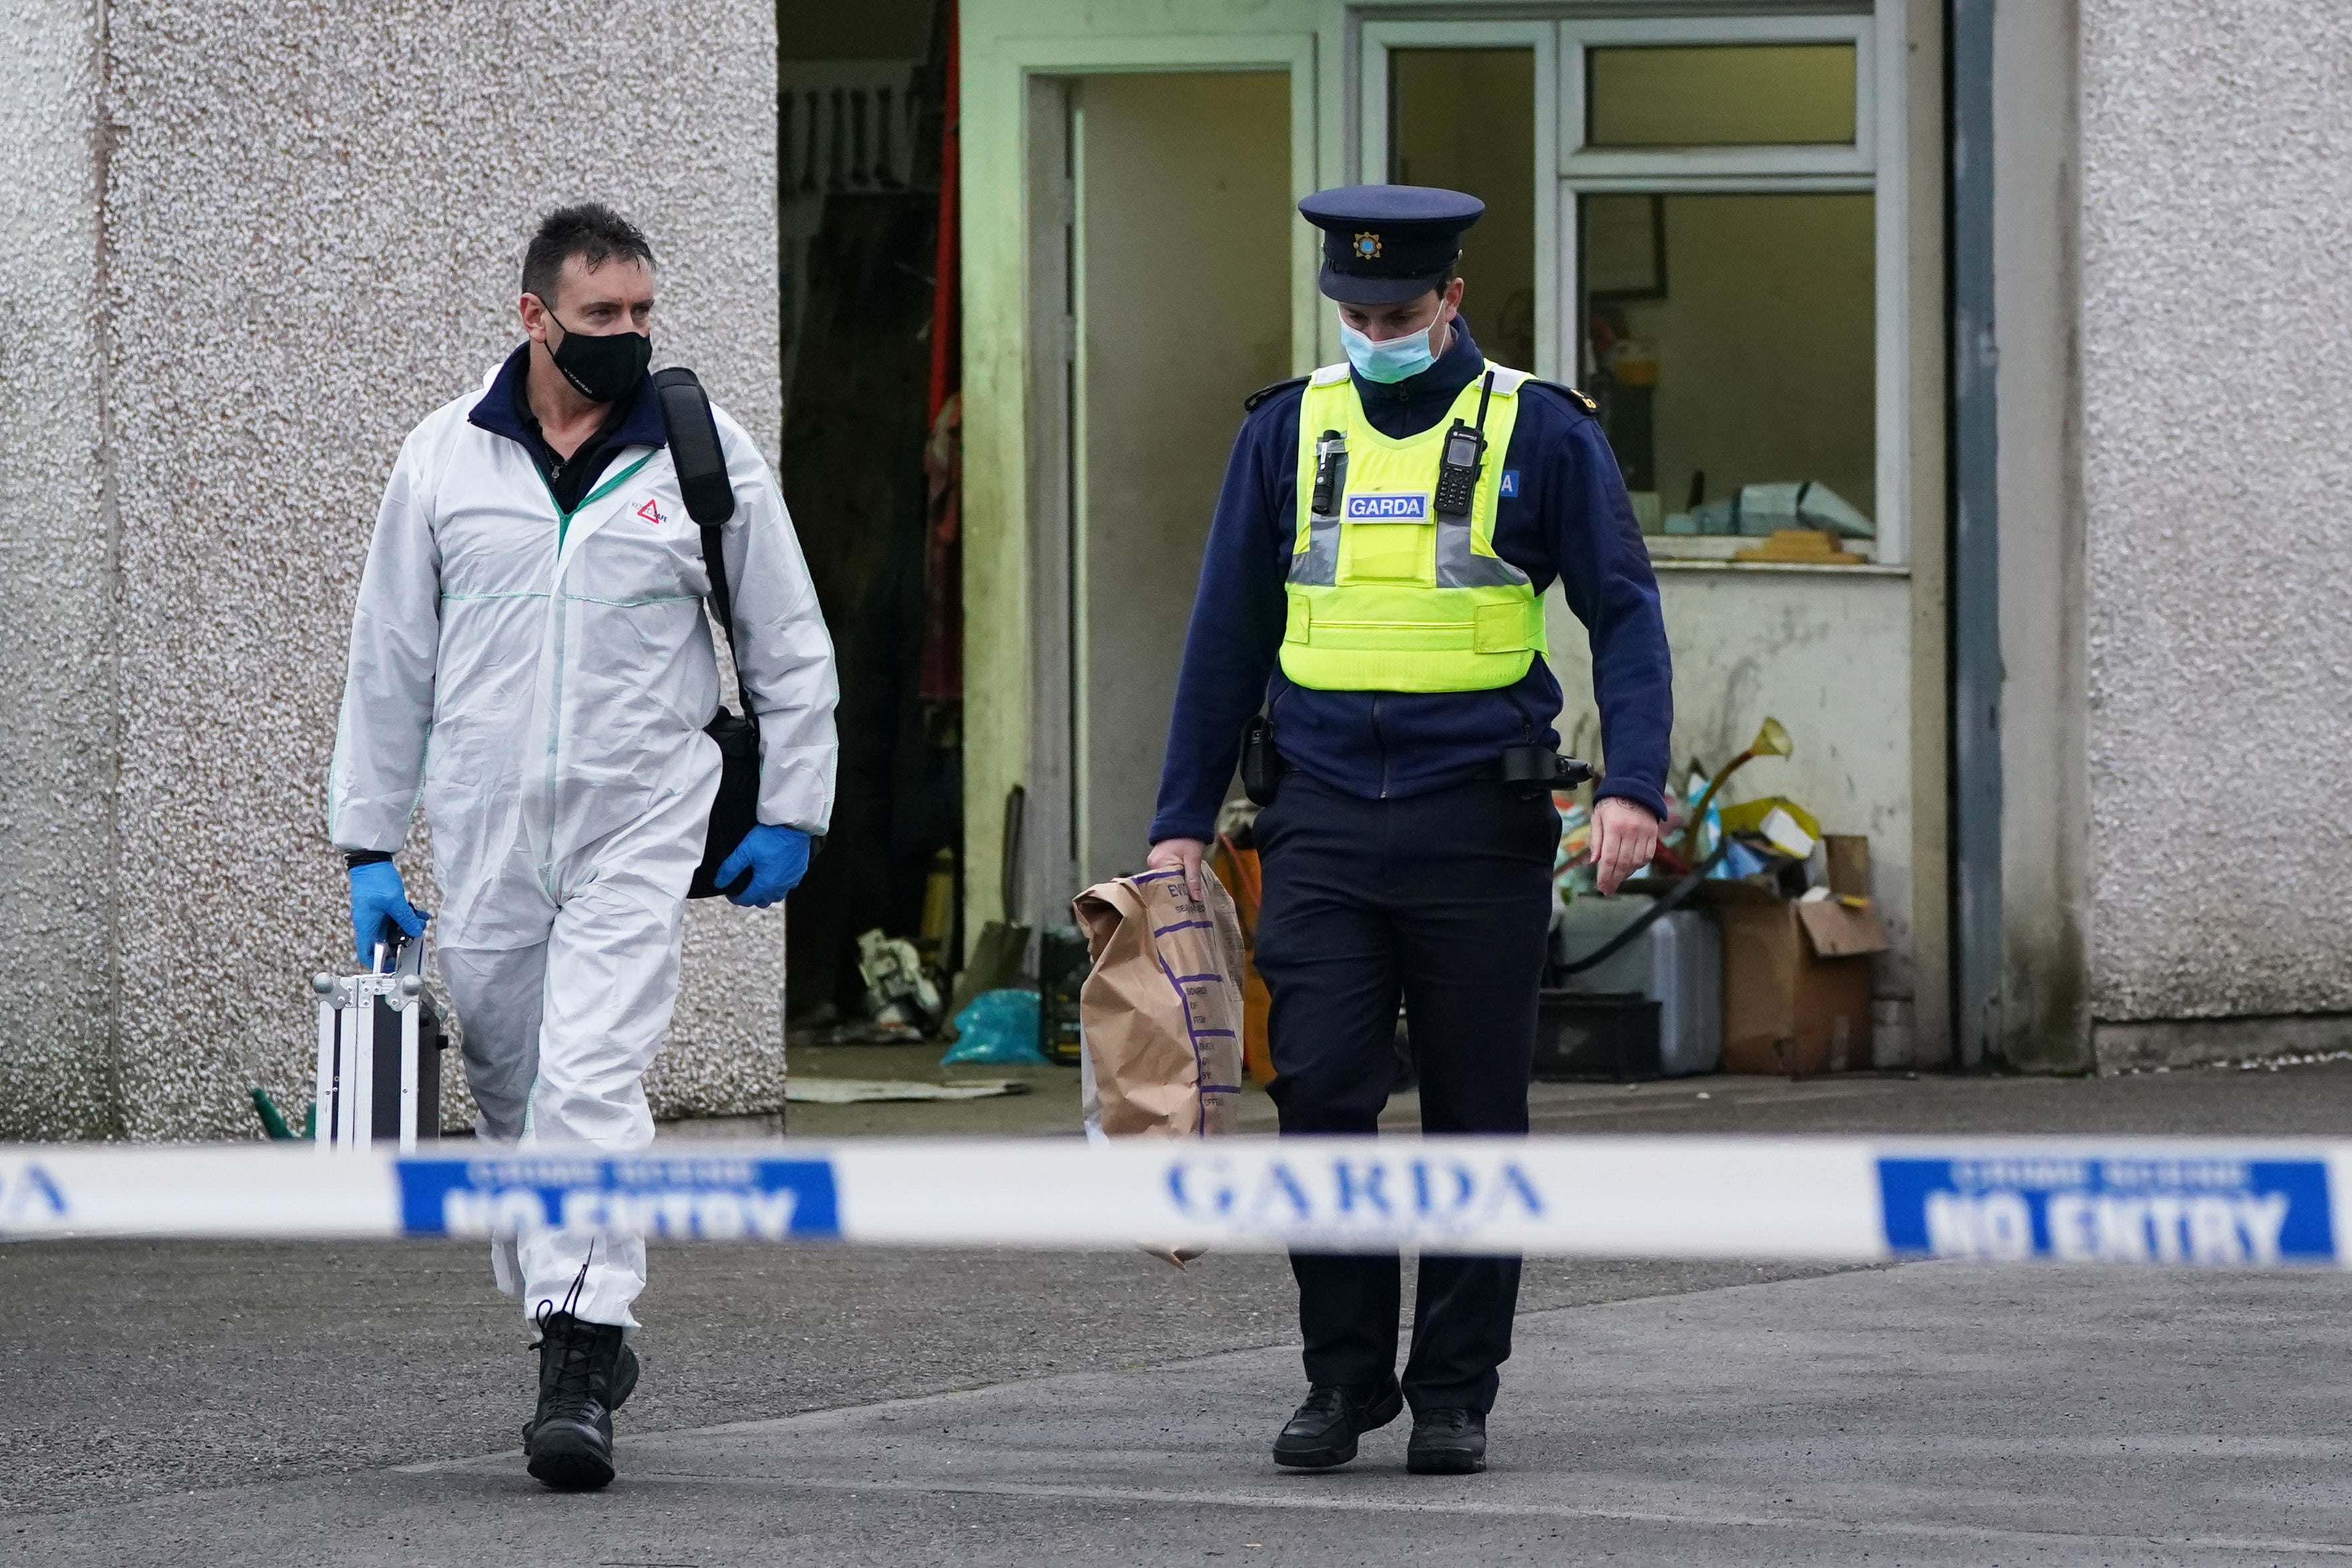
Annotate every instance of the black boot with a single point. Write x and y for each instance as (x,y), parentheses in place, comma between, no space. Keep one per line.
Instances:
(570,1440)
(1324,1430)
(1447,1443)
(625,1383)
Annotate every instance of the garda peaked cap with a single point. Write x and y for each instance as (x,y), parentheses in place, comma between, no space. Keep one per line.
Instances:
(1386,243)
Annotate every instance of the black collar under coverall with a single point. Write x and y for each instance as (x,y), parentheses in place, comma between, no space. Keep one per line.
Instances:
(505,410)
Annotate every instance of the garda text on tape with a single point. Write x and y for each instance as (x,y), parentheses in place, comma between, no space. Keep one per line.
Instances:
(2177,1202)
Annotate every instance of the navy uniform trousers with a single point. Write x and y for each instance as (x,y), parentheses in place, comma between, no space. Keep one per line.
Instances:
(1442,899)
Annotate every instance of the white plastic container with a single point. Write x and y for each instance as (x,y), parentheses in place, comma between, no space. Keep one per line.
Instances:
(1676,963)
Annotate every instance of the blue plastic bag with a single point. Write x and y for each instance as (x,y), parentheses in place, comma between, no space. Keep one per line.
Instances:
(999,1028)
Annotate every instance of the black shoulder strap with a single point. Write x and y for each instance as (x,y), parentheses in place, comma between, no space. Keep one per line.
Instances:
(701,465)
(694,446)
(1249,403)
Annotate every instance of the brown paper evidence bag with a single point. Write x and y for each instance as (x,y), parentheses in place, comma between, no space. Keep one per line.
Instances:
(1161,1009)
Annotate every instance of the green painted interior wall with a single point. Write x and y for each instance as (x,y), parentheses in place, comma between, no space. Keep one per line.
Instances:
(1004,42)
(1169,349)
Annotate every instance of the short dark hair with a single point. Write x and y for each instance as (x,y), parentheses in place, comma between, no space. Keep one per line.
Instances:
(591,231)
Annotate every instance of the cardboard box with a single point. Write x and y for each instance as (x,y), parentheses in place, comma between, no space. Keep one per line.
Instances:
(1848,856)
(1796,980)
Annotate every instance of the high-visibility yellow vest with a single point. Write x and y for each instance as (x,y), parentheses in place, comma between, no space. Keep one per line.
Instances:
(1386,594)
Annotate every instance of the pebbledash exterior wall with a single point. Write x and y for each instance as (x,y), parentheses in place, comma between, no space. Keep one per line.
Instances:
(2216,468)
(2173,191)
(247,249)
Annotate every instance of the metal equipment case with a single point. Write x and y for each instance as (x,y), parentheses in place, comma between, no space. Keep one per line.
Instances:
(379,1069)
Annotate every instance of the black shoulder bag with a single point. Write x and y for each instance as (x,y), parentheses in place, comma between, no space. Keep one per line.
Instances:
(701,465)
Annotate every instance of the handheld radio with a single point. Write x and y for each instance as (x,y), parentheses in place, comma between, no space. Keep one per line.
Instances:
(1460,458)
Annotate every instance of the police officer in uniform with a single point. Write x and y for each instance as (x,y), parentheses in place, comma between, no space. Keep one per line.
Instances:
(1373,583)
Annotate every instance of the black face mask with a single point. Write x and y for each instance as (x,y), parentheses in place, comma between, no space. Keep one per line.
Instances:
(602,369)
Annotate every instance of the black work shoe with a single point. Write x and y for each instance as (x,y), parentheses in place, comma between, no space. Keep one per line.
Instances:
(570,1440)
(625,1383)
(1447,1443)
(1324,1431)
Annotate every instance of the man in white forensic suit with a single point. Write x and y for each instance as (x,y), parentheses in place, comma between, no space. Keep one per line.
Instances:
(529,655)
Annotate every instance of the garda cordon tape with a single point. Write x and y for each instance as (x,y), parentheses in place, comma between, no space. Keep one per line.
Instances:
(2187,1202)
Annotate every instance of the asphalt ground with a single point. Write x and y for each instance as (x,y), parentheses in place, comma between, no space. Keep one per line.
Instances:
(182,1401)
(2267,1100)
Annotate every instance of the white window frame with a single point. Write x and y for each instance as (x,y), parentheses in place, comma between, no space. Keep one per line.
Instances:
(1566,169)
(1874,163)
(1543,39)
(1578,37)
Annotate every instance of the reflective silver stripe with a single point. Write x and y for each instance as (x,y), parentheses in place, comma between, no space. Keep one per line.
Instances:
(1318,564)
(1458,567)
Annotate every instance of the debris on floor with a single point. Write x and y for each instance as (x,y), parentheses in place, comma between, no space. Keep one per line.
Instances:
(998,1028)
(897,990)
(861,1090)
(860,1031)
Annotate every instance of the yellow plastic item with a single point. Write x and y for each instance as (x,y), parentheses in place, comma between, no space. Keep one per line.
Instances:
(1771,740)
(1748,817)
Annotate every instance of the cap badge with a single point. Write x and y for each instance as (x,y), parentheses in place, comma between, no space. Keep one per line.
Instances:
(1368,245)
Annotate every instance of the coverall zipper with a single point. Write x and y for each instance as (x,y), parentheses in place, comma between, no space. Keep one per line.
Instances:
(555,608)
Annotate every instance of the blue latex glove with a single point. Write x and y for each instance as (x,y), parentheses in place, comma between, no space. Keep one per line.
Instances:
(777,859)
(378,900)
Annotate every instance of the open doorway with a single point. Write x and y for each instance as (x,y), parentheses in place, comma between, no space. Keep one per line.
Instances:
(864,121)
(1164,268)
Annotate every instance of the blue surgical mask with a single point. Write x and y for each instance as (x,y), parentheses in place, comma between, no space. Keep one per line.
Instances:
(1393,359)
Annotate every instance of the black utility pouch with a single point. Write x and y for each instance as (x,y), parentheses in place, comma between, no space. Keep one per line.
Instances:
(1261,764)
(702,464)
(736,812)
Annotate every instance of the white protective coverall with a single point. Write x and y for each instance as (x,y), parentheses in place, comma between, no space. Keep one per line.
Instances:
(564,671)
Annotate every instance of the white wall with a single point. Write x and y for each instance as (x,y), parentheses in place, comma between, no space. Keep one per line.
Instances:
(2037,188)
(2217,464)
(1827,652)
(57,543)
